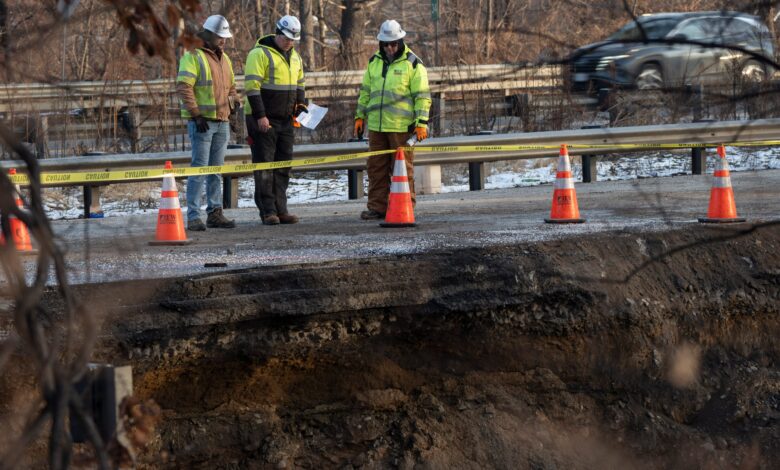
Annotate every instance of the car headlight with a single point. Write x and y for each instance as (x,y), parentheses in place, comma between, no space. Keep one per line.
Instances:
(605,61)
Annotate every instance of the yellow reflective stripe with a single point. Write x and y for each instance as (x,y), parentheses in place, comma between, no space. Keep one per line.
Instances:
(392,110)
(205,76)
(271,64)
(391,97)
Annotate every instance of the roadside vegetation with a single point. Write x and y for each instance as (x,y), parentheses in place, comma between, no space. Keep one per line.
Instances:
(60,41)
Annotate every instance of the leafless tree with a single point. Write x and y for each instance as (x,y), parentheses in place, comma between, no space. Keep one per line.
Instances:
(307,34)
(58,346)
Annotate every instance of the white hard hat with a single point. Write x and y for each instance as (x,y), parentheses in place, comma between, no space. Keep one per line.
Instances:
(390,31)
(290,27)
(218,25)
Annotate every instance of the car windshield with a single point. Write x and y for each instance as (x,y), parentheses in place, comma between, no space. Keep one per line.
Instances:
(655,28)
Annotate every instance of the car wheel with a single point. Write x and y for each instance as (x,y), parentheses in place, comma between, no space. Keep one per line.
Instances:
(650,78)
(753,72)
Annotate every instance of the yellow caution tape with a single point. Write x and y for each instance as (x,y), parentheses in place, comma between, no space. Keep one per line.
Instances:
(639,146)
(80,178)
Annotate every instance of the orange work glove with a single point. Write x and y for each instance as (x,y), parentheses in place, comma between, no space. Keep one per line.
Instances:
(422,133)
(359,128)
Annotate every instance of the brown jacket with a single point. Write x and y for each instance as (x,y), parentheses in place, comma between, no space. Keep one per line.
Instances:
(224,91)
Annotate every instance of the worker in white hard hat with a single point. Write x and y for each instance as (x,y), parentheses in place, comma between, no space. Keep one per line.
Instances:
(275,95)
(207,96)
(393,105)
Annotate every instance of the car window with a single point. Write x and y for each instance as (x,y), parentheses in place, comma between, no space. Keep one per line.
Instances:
(741,32)
(655,28)
(699,30)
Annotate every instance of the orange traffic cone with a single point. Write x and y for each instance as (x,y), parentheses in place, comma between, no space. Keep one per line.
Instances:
(722,208)
(400,212)
(19,231)
(564,204)
(170,224)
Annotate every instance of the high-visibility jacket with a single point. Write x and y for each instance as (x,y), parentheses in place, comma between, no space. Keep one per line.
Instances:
(279,82)
(395,96)
(194,70)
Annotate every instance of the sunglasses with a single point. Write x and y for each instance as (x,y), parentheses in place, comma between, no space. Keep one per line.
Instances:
(389,44)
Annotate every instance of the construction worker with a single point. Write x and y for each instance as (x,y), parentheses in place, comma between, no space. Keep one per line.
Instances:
(395,100)
(207,93)
(275,95)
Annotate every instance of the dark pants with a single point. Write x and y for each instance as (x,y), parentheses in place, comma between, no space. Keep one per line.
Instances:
(380,168)
(273,146)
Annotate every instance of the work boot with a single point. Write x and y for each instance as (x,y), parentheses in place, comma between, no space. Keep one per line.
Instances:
(271,219)
(218,220)
(288,218)
(196,225)
(371,215)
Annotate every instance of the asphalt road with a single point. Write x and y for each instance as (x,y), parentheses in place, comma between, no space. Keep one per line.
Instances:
(116,248)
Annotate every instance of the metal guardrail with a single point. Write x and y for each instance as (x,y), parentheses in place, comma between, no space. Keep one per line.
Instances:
(610,140)
(28,97)
(607,140)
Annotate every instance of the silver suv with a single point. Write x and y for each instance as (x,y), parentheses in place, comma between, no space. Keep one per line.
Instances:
(681,49)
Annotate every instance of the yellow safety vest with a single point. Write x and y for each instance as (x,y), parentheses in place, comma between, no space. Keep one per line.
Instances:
(268,74)
(395,96)
(194,70)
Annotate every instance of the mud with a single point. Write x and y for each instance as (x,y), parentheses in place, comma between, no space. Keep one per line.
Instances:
(619,350)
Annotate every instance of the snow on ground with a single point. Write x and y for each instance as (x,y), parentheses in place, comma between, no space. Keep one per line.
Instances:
(313,187)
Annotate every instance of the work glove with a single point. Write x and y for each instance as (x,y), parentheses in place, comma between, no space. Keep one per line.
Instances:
(422,133)
(201,124)
(300,108)
(359,128)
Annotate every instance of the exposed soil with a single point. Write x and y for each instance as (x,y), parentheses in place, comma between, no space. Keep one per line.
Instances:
(624,350)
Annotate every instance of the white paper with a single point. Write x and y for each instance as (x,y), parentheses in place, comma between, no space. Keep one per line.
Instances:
(311,119)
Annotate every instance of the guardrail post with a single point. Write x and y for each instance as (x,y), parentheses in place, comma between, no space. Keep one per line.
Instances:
(477,169)
(589,170)
(698,164)
(230,184)
(476,176)
(92,207)
(698,154)
(427,179)
(229,192)
(590,162)
(355,184)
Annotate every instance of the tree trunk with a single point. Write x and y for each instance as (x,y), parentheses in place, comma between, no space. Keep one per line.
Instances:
(86,39)
(5,42)
(352,31)
(307,34)
(323,29)
(258,18)
(488,29)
